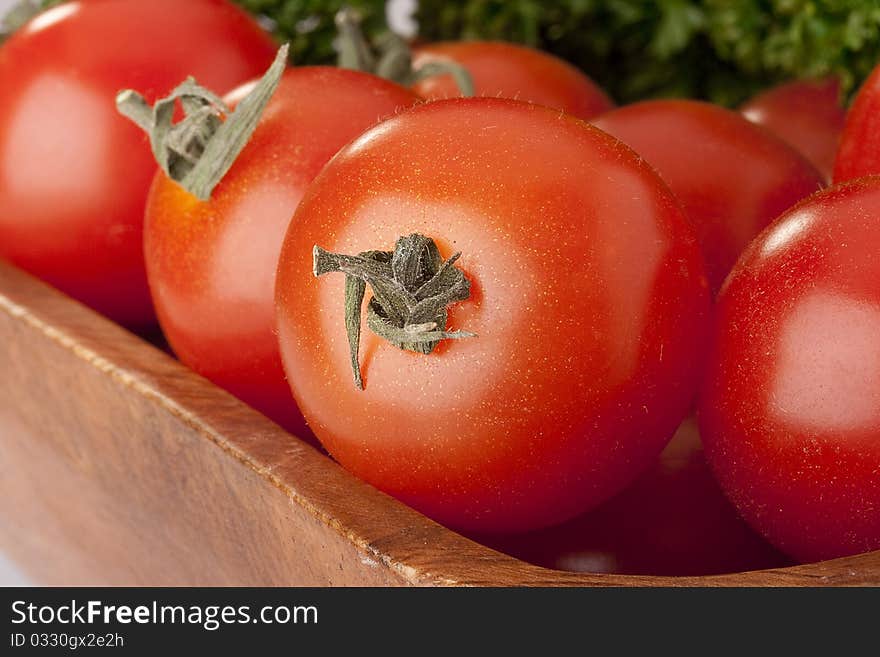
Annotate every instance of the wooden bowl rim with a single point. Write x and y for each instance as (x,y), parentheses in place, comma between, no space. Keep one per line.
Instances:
(304,474)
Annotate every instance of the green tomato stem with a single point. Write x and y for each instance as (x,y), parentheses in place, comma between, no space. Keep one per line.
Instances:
(392,59)
(200,149)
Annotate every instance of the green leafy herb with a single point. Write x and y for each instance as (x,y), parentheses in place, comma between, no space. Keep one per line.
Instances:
(720,50)
(308,25)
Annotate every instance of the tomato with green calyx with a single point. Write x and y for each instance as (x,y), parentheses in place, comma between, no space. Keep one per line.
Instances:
(73,174)
(472,68)
(508,70)
(732,176)
(534,306)
(214,223)
(790,409)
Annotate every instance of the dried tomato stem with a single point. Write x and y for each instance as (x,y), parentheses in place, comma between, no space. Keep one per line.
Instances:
(392,58)
(200,149)
(412,288)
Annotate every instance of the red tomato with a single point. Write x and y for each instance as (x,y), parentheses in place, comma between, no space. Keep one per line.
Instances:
(587,297)
(506,70)
(732,176)
(674,520)
(211,264)
(805,113)
(74,174)
(790,411)
(859,152)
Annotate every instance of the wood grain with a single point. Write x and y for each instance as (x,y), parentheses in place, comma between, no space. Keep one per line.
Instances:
(122,467)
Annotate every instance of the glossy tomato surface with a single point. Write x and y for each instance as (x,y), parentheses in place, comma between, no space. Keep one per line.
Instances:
(808,114)
(74,174)
(506,70)
(587,296)
(790,413)
(211,264)
(673,520)
(859,152)
(732,176)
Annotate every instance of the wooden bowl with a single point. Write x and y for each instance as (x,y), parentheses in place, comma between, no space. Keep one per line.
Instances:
(120,466)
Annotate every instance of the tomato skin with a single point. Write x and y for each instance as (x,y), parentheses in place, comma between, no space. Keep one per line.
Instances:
(859,152)
(732,176)
(807,114)
(211,264)
(790,410)
(507,70)
(74,174)
(588,299)
(673,520)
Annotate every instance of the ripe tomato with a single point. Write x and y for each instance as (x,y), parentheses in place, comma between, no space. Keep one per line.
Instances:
(805,113)
(859,152)
(211,264)
(732,176)
(507,70)
(674,520)
(790,411)
(74,174)
(587,296)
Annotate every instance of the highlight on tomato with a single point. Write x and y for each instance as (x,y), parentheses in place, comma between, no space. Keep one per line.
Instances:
(507,322)
(74,174)
(218,210)
(790,408)
(732,176)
